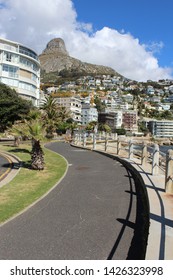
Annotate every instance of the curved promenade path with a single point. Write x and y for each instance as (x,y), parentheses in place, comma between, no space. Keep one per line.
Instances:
(89,215)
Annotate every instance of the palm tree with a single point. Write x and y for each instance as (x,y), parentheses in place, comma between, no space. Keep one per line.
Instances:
(63,114)
(36,130)
(104,127)
(18,130)
(33,129)
(50,115)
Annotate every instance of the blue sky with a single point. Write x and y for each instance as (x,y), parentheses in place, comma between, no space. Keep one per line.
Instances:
(150,21)
(134,37)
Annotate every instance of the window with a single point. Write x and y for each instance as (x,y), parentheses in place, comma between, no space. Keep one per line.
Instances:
(10,71)
(9,82)
(8,57)
(34,77)
(28,52)
(27,86)
(26,62)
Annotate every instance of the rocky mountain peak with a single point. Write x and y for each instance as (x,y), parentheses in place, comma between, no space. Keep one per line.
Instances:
(56,45)
(55,58)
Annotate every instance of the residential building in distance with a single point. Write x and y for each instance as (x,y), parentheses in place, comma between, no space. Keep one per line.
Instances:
(89,114)
(73,105)
(20,69)
(113,119)
(117,123)
(130,121)
(107,118)
(161,129)
(150,90)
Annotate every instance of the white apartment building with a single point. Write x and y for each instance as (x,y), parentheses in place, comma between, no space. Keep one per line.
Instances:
(89,114)
(72,105)
(118,116)
(161,128)
(20,69)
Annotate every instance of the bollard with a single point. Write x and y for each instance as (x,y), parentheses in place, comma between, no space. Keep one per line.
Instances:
(94,141)
(106,142)
(74,139)
(155,162)
(80,138)
(144,154)
(118,146)
(130,150)
(169,172)
(84,140)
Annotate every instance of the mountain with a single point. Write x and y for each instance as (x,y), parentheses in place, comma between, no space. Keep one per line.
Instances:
(56,59)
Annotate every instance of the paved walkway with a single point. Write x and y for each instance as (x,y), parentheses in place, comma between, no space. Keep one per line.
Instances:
(86,216)
(160,240)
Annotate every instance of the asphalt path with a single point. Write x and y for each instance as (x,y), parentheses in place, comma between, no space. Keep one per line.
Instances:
(89,215)
(4,165)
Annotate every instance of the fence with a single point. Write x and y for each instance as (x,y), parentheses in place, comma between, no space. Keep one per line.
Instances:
(160,162)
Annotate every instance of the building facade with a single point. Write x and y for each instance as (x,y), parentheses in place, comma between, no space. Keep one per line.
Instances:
(89,114)
(73,106)
(161,129)
(129,121)
(20,69)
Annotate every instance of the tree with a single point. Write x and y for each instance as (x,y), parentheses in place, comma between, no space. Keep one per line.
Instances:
(99,105)
(33,129)
(91,125)
(54,116)
(120,131)
(63,114)
(36,130)
(104,127)
(50,115)
(12,107)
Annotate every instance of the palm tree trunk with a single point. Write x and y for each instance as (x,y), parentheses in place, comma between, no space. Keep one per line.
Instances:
(37,155)
(16,141)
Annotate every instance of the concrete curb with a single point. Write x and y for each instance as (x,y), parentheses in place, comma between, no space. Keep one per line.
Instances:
(13,170)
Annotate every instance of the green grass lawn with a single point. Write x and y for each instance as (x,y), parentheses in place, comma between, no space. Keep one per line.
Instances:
(29,185)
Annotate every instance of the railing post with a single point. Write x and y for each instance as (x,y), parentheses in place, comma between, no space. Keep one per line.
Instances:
(169,172)
(94,141)
(84,140)
(80,138)
(144,154)
(74,139)
(155,162)
(130,149)
(106,142)
(100,135)
(118,146)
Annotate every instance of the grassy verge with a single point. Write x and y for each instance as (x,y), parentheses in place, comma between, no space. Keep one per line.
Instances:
(29,185)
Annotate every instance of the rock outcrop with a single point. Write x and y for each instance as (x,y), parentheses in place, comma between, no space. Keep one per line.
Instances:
(55,58)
